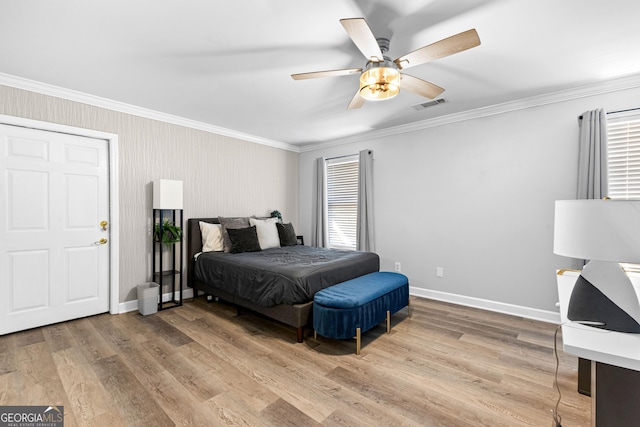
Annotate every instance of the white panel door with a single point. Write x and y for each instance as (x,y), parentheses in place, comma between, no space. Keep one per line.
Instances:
(54,255)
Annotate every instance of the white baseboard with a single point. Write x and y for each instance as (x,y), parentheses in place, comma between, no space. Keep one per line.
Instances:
(127,306)
(499,307)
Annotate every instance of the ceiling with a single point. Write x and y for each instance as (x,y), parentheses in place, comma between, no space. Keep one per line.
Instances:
(228,63)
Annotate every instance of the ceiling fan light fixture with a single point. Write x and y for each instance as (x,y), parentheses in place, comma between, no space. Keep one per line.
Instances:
(379,81)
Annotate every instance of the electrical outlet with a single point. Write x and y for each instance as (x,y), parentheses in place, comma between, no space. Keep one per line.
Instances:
(439,272)
(398,266)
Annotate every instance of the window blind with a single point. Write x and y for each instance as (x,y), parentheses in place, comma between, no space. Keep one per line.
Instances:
(623,145)
(623,139)
(342,202)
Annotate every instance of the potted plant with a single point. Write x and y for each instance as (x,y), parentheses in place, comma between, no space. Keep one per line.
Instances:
(276,214)
(168,233)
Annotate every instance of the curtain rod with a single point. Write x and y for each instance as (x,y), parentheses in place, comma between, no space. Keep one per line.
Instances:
(346,155)
(341,157)
(624,111)
(614,112)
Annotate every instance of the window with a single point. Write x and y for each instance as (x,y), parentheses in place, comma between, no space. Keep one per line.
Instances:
(623,145)
(342,201)
(623,135)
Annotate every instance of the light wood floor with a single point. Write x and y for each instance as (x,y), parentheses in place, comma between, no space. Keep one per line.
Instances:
(202,365)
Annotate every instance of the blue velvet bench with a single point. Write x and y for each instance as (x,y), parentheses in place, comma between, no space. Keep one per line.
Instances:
(353,307)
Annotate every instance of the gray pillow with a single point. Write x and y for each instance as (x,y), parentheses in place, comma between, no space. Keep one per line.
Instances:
(287,234)
(244,239)
(226,223)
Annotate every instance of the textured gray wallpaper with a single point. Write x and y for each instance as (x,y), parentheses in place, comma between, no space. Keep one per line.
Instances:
(222,175)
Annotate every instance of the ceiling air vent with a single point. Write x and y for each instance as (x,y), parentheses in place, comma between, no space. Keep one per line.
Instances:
(429,104)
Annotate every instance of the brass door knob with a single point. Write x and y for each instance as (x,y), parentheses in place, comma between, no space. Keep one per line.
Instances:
(104,224)
(102,241)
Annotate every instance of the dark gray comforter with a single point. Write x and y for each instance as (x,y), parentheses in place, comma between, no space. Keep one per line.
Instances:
(288,275)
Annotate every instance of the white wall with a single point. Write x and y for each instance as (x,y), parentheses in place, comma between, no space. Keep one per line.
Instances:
(476,198)
(222,175)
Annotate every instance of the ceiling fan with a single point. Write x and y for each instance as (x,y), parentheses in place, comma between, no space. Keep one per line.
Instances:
(381,78)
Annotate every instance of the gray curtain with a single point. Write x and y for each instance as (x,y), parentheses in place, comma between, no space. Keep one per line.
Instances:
(365,202)
(593,178)
(593,172)
(320,237)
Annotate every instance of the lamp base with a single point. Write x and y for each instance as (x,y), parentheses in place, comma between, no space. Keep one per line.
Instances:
(589,304)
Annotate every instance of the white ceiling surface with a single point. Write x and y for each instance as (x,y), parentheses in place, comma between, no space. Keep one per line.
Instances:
(228,63)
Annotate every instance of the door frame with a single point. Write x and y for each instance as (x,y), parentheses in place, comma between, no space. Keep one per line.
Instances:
(114,200)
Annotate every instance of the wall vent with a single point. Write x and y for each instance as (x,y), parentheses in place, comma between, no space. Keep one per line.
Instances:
(429,104)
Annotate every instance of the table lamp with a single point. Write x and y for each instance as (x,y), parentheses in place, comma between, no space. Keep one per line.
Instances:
(606,233)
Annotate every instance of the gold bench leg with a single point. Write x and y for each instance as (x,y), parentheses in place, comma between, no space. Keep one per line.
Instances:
(358,340)
(315,335)
(388,321)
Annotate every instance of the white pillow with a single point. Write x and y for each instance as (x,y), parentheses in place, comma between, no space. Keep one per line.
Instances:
(267,232)
(211,237)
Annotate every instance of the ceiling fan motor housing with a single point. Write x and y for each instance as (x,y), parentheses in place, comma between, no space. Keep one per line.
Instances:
(383,43)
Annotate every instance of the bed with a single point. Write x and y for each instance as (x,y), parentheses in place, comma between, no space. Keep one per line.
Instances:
(278,282)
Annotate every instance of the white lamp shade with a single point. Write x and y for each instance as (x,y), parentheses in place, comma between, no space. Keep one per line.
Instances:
(167,194)
(604,230)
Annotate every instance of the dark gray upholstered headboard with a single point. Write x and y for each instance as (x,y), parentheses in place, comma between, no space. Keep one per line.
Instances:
(194,242)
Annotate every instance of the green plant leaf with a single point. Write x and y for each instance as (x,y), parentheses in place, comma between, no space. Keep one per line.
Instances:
(167,233)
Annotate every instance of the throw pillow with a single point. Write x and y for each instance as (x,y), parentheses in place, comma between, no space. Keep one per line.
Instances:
(267,232)
(287,234)
(227,223)
(211,237)
(244,240)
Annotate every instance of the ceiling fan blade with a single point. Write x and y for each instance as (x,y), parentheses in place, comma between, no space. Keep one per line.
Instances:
(363,37)
(440,49)
(419,86)
(330,73)
(356,102)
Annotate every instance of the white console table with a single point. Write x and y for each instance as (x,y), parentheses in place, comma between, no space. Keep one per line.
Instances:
(615,367)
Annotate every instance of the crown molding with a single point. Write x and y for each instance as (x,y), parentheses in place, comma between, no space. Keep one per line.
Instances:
(607,86)
(85,98)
